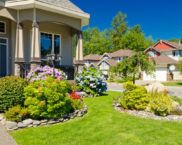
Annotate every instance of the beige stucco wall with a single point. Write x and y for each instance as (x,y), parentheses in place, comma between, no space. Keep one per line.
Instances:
(48,22)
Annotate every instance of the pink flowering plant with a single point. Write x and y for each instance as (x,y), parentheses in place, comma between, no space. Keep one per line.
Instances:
(41,73)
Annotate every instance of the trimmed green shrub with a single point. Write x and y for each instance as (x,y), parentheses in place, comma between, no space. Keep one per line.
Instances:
(11,92)
(134,98)
(160,104)
(48,98)
(129,86)
(16,114)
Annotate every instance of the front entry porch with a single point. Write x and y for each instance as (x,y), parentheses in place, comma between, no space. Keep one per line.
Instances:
(32,36)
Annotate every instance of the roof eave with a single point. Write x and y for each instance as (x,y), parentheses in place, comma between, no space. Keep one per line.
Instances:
(18,5)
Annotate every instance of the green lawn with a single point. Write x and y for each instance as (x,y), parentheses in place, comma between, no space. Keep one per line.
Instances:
(103,126)
(172,83)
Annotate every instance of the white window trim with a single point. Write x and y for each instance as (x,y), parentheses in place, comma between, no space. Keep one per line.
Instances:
(4,27)
(52,51)
(7,55)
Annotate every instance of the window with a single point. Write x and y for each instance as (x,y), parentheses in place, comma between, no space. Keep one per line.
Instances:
(50,44)
(2,27)
(174,53)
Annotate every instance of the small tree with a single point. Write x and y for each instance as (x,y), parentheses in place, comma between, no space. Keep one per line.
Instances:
(134,65)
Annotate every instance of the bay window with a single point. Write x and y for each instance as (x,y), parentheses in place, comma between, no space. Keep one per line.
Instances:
(50,44)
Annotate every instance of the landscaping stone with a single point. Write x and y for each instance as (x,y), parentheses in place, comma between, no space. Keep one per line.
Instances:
(36,122)
(157,86)
(27,122)
(61,120)
(1,117)
(10,125)
(52,122)
(144,114)
(21,125)
(43,121)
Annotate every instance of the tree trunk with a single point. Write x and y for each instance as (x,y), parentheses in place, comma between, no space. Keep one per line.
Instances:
(133,78)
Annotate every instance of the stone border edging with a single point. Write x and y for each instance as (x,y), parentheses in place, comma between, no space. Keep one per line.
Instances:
(10,125)
(148,115)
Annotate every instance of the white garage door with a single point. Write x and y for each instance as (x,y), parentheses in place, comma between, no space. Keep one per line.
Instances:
(159,75)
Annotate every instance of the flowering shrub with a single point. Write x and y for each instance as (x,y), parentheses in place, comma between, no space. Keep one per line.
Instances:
(41,73)
(91,81)
(74,95)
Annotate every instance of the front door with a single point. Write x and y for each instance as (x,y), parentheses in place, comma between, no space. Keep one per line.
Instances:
(3,56)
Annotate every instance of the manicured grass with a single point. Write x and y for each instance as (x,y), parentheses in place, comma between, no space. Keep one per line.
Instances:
(103,126)
(172,83)
(177,99)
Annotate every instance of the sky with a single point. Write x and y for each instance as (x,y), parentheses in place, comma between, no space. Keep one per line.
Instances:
(161,19)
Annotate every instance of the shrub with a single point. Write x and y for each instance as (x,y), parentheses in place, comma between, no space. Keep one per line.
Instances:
(160,104)
(91,81)
(16,114)
(41,73)
(129,86)
(134,97)
(11,92)
(48,98)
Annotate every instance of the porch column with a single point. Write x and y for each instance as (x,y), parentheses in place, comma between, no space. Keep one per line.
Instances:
(35,49)
(19,51)
(79,47)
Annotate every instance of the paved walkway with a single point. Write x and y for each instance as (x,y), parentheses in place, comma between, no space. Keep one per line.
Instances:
(5,138)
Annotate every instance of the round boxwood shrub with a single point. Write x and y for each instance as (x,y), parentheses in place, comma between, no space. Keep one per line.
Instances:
(11,92)
(48,99)
(134,97)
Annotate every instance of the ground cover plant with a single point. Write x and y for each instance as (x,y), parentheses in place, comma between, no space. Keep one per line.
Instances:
(103,125)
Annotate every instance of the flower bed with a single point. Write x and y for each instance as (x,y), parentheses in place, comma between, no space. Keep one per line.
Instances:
(154,104)
(11,125)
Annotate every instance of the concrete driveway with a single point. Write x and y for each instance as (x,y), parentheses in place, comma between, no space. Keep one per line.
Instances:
(174,91)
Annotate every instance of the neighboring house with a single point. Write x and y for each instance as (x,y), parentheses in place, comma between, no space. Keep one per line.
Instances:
(107,60)
(32,29)
(166,56)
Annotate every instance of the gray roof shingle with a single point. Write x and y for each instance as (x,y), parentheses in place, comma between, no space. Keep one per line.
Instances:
(67,4)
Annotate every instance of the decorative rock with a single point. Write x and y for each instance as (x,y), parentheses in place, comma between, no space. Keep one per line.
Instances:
(27,122)
(43,121)
(156,87)
(42,124)
(80,114)
(36,122)
(11,125)
(144,114)
(61,120)
(52,122)
(1,117)
(21,125)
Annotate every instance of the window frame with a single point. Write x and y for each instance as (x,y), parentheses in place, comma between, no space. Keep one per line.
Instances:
(52,49)
(4,27)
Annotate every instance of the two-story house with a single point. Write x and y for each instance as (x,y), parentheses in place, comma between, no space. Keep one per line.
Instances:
(166,56)
(107,60)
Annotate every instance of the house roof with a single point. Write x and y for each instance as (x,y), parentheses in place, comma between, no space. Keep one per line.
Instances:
(164,60)
(111,62)
(67,4)
(121,53)
(94,57)
(174,45)
(65,7)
